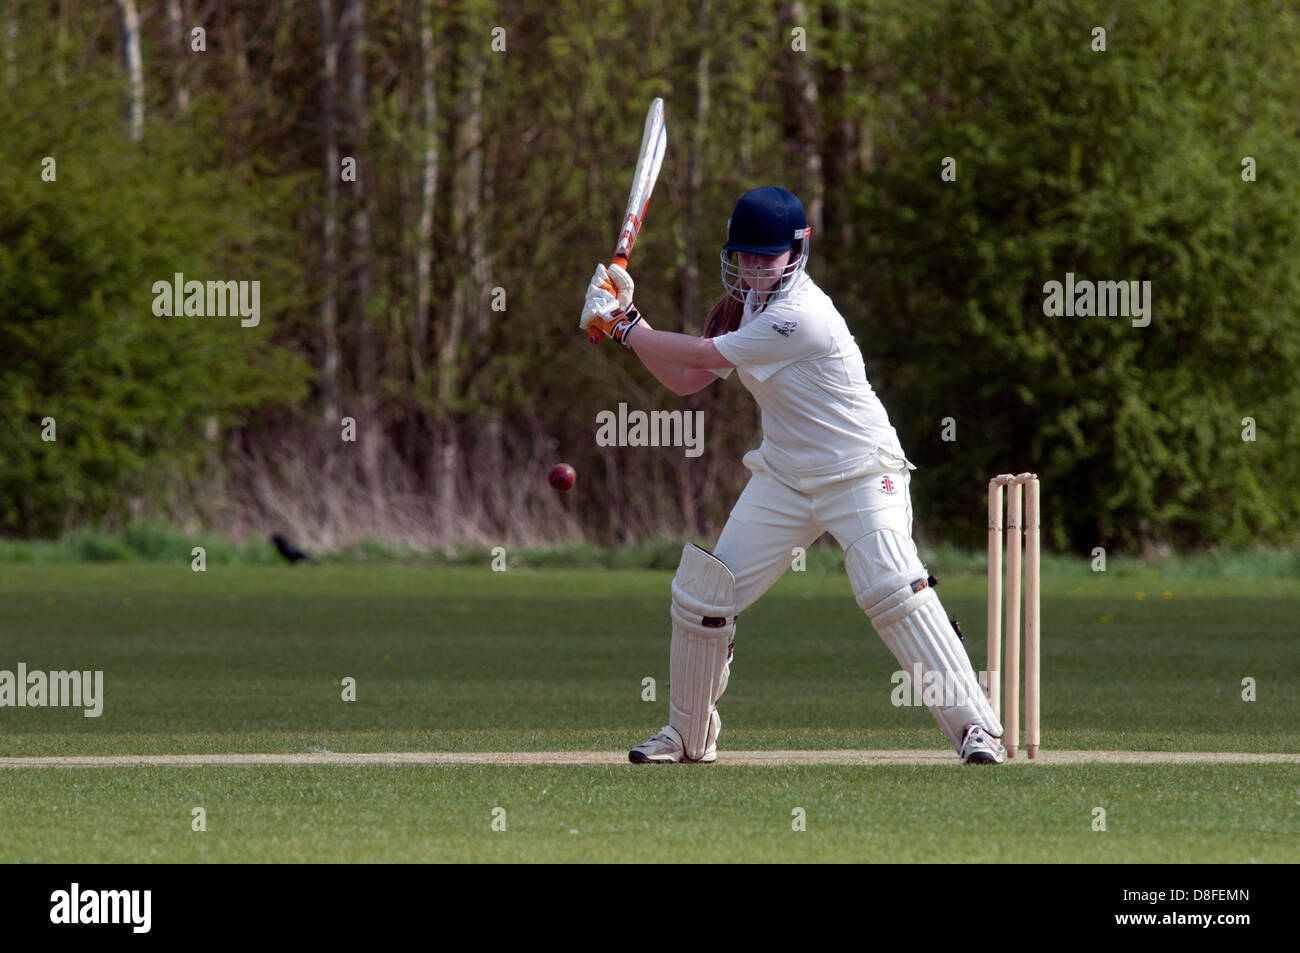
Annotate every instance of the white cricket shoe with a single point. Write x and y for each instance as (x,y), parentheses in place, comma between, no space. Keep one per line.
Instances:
(667,746)
(979,747)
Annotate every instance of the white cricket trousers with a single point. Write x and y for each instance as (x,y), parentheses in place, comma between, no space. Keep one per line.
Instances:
(771,519)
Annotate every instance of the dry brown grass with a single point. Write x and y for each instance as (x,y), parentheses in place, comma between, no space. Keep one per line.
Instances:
(487,488)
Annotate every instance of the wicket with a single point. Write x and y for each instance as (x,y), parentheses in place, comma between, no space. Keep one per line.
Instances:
(1022,486)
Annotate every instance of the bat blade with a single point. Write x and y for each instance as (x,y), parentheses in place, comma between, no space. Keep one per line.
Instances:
(654,143)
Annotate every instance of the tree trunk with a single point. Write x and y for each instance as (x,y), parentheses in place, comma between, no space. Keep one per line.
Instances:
(466,228)
(494,450)
(236,44)
(802,122)
(369,433)
(329,237)
(176,17)
(691,310)
(428,192)
(9,31)
(470,224)
(465,319)
(61,45)
(839,169)
(129,23)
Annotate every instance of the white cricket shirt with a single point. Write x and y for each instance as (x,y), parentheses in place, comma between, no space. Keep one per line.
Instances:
(822,422)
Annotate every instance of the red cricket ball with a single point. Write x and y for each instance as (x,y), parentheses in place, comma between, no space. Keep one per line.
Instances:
(563,476)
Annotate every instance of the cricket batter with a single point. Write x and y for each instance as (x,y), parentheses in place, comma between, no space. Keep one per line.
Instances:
(829,462)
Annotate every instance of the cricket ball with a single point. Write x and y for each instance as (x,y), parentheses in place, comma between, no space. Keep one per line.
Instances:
(562,477)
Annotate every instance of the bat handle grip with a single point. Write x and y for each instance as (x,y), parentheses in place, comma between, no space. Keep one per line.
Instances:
(596,335)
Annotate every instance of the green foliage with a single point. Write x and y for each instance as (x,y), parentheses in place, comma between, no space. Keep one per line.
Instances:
(130,393)
(1114,166)
(99,547)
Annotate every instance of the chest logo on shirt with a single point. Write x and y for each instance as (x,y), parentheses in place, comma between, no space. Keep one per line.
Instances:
(785,328)
(888,486)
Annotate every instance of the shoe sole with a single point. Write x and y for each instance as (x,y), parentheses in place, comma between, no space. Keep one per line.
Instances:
(636,757)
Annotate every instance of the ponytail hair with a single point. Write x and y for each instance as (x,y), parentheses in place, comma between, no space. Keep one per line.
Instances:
(724,317)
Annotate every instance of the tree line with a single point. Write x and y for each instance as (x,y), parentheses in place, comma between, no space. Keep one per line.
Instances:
(422,189)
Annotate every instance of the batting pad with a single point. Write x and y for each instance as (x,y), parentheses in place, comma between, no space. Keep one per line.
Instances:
(704,623)
(890,585)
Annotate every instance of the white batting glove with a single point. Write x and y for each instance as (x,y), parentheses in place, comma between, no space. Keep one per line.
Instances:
(623,285)
(600,304)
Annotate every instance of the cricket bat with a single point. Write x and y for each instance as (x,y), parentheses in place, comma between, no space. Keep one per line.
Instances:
(653,143)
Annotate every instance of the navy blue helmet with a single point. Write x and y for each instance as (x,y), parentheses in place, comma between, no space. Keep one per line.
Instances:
(766,221)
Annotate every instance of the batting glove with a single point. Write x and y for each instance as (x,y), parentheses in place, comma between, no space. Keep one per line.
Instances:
(623,285)
(601,303)
(608,306)
(622,326)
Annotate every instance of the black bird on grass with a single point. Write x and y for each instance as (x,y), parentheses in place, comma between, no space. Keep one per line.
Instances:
(288,550)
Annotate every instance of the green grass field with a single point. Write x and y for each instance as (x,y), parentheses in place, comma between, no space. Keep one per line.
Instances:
(249,659)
